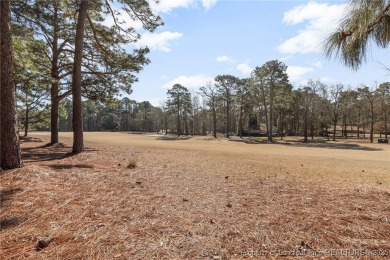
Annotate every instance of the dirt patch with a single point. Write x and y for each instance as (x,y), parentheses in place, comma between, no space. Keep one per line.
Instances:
(195,198)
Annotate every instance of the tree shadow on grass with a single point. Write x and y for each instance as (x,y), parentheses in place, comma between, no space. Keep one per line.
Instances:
(315,144)
(8,222)
(7,193)
(173,138)
(343,146)
(48,152)
(69,166)
(28,139)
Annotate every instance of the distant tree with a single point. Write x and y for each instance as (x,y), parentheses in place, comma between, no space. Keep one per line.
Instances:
(179,100)
(33,109)
(309,97)
(243,98)
(348,102)
(110,122)
(144,113)
(157,119)
(9,136)
(65,115)
(32,88)
(349,99)
(165,116)
(282,102)
(91,110)
(383,92)
(226,87)
(195,113)
(369,97)
(365,20)
(260,94)
(204,115)
(332,96)
(296,111)
(269,78)
(125,111)
(210,92)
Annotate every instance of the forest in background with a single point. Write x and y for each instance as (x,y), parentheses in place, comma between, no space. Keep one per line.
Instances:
(231,105)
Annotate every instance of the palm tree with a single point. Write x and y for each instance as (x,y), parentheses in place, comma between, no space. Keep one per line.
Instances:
(365,20)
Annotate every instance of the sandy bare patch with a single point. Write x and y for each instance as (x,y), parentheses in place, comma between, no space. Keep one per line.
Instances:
(196,197)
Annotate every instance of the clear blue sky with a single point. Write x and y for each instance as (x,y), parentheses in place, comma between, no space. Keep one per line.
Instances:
(203,39)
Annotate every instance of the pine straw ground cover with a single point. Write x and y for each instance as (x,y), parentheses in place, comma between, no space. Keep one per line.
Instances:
(196,199)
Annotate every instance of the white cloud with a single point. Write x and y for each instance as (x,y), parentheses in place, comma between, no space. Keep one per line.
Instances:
(296,72)
(207,4)
(223,58)
(155,41)
(244,68)
(189,81)
(165,6)
(124,20)
(286,58)
(320,19)
(326,80)
(158,41)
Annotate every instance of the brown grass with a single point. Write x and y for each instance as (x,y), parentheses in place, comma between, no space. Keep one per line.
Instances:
(196,198)
(131,164)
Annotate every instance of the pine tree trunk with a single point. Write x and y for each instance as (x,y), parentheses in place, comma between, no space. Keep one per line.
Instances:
(55,85)
(372,123)
(186,125)
(166,124)
(26,121)
(358,131)
(305,127)
(240,121)
(326,130)
(351,129)
(385,124)
(54,114)
(312,130)
(227,117)
(178,122)
(78,139)
(10,147)
(266,119)
(345,127)
(271,111)
(214,120)
(364,131)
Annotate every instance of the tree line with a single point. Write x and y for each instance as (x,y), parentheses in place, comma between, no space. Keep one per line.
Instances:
(266,102)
